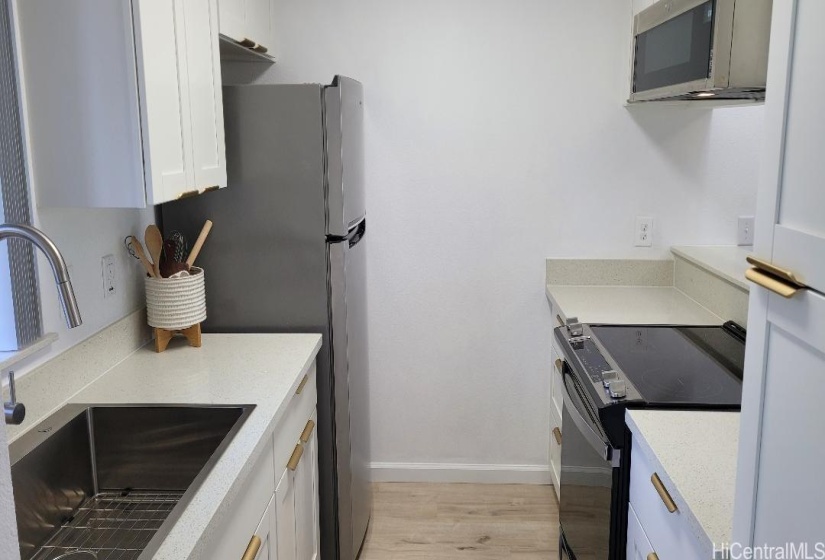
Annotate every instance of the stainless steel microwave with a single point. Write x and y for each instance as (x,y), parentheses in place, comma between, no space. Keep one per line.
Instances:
(701,49)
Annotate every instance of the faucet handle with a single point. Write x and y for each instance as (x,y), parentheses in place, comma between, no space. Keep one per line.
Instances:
(14,411)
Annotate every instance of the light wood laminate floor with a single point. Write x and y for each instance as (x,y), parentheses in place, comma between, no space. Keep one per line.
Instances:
(462,521)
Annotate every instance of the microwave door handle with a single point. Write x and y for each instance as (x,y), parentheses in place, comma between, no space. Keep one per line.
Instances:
(595,440)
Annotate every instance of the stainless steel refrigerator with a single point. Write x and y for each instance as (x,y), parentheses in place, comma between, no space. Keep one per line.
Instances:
(287,254)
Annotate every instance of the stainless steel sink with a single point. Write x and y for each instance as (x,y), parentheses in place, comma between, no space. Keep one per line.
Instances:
(108,482)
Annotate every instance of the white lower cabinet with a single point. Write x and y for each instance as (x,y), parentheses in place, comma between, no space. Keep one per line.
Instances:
(277,509)
(556,403)
(285,517)
(660,511)
(638,546)
(306,495)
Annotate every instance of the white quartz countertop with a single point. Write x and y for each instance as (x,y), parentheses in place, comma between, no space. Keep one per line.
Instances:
(630,305)
(725,261)
(259,369)
(696,451)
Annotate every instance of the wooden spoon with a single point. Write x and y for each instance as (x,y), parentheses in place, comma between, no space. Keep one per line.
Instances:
(138,248)
(154,244)
(196,249)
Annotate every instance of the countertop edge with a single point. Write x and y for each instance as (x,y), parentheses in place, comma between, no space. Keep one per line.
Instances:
(695,524)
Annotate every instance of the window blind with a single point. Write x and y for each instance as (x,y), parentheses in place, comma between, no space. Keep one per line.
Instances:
(15,190)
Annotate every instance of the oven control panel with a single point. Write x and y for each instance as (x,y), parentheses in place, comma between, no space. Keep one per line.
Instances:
(593,363)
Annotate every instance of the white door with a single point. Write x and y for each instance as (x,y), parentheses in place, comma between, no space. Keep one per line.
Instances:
(306,495)
(205,94)
(164,98)
(285,517)
(779,491)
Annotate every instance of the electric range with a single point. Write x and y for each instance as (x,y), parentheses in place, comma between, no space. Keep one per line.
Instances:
(607,369)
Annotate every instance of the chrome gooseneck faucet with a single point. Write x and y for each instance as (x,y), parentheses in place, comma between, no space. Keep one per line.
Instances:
(13,411)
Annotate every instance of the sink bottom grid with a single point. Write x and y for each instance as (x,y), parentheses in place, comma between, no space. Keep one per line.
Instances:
(111,526)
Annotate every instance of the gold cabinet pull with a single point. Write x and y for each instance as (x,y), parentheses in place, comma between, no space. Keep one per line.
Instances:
(771,283)
(771,268)
(212,188)
(652,556)
(557,435)
(560,365)
(252,45)
(558,319)
(303,384)
(307,431)
(252,548)
(296,457)
(778,280)
(663,493)
(188,194)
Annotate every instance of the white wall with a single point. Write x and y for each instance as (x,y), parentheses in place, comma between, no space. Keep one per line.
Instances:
(496,137)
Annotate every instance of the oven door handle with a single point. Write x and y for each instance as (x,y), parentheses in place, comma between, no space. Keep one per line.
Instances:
(574,403)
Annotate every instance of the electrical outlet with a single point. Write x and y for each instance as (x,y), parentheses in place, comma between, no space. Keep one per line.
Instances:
(744,233)
(644,232)
(108,270)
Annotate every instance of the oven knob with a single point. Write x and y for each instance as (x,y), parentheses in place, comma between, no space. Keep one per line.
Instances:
(608,376)
(617,389)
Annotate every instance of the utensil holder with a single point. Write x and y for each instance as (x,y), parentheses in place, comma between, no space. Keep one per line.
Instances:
(176,305)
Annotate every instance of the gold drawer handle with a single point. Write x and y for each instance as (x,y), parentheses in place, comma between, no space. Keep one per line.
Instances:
(652,556)
(558,319)
(303,384)
(771,283)
(296,457)
(212,188)
(188,194)
(307,431)
(560,365)
(252,45)
(252,548)
(778,280)
(663,493)
(557,435)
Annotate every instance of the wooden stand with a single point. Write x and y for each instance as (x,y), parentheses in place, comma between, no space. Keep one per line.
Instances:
(163,336)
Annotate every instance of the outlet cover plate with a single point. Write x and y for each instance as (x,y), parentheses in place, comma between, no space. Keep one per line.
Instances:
(644,232)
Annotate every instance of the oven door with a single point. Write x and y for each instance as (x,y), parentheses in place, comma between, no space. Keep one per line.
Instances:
(586,478)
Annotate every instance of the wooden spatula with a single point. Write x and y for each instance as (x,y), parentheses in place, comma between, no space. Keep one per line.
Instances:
(154,244)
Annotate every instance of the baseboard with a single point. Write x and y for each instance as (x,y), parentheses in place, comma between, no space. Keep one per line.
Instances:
(460,472)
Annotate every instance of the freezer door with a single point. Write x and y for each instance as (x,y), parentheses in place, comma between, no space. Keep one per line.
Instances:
(344,135)
(351,377)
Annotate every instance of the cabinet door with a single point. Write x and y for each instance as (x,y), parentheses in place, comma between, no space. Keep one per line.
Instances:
(164,98)
(306,495)
(285,517)
(784,378)
(259,22)
(205,94)
(232,18)
(266,532)
(638,546)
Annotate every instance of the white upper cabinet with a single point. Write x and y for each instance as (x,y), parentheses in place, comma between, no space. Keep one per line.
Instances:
(123,100)
(248,22)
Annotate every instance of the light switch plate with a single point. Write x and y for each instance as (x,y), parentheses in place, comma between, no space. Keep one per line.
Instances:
(744,232)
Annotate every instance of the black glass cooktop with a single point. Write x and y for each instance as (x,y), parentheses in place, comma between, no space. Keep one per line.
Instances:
(679,365)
